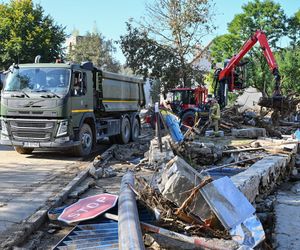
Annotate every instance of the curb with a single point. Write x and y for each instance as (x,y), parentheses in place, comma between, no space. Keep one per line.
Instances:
(39,217)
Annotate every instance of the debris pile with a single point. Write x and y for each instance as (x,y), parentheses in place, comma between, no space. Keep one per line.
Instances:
(275,125)
(207,192)
(200,153)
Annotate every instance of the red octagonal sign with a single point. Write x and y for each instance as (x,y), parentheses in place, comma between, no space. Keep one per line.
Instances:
(88,208)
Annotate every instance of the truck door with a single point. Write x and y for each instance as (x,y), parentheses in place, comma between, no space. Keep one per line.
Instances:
(82,96)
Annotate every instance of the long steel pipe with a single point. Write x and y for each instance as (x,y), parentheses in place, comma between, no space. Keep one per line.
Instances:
(130,233)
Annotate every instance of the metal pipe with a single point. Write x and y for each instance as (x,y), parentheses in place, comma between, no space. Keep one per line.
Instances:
(130,233)
(157,126)
(213,244)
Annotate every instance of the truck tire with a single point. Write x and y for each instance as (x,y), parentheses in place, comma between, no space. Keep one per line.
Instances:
(188,118)
(135,129)
(86,141)
(22,150)
(125,133)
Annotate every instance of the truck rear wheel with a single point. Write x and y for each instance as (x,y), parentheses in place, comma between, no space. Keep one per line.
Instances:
(22,150)
(125,133)
(135,131)
(86,141)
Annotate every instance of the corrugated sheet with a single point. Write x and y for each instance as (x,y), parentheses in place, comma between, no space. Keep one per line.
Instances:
(91,236)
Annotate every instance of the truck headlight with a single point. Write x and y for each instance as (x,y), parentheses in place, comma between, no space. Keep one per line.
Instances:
(4,128)
(63,128)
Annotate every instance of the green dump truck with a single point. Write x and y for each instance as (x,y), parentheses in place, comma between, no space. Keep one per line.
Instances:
(61,105)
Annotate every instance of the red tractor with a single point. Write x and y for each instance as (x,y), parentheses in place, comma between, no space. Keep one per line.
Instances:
(188,103)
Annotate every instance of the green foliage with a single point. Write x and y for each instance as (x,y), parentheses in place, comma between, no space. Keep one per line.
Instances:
(225,46)
(294,29)
(155,90)
(26,32)
(165,41)
(95,48)
(289,64)
(263,15)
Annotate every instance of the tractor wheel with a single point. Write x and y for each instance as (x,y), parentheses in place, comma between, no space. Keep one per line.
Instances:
(188,118)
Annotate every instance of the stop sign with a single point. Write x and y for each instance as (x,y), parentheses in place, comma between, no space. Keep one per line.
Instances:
(88,208)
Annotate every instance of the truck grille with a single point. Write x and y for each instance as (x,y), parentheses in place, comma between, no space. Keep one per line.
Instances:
(31,130)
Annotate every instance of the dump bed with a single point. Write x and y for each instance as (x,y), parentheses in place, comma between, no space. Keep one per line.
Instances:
(121,93)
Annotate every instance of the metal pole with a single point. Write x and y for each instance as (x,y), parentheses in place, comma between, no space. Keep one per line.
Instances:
(130,233)
(213,244)
(158,130)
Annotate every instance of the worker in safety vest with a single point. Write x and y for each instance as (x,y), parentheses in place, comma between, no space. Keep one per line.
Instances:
(214,114)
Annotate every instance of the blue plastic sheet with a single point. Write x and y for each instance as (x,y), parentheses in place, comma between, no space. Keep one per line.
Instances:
(173,125)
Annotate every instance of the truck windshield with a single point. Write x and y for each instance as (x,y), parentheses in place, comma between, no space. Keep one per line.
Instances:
(54,80)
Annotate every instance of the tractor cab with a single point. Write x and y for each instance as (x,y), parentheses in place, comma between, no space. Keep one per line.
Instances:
(187,98)
(189,103)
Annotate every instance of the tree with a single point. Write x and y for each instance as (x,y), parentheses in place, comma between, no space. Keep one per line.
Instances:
(263,15)
(289,64)
(26,32)
(147,57)
(294,29)
(174,29)
(95,48)
(225,46)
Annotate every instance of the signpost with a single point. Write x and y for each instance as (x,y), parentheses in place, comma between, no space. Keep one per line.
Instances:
(88,208)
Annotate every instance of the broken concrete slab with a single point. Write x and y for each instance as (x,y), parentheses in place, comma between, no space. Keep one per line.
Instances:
(96,173)
(102,172)
(176,182)
(84,186)
(157,158)
(201,153)
(252,133)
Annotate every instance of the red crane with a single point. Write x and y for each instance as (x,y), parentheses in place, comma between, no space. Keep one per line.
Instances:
(224,78)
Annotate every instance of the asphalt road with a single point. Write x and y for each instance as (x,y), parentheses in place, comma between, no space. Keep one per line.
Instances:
(28,181)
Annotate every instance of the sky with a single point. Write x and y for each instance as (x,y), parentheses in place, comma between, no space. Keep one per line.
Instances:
(109,16)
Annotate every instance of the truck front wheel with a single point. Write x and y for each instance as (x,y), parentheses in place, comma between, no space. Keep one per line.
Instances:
(86,141)
(125,132)
(22,150)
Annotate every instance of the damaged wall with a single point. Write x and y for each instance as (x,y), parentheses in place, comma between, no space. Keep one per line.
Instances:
(262,176)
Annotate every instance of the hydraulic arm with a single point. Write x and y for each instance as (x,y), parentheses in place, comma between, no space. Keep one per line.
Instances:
(225,78)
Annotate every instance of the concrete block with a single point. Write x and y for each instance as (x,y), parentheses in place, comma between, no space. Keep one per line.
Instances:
(177,181)
(251,133)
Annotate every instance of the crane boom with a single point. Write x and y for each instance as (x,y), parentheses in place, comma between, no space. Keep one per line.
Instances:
(225,77)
